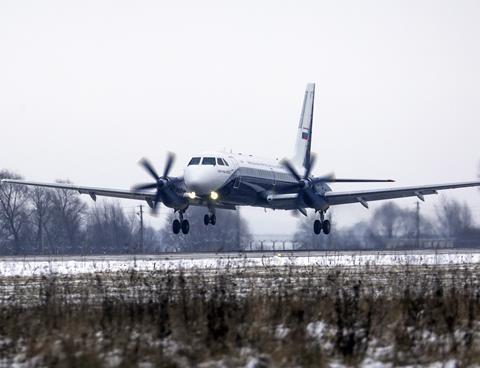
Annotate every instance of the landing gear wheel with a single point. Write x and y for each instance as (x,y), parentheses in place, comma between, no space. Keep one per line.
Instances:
(317,227)
(326,227)
(176,226)
(206,219)
(185,226)
(213,219)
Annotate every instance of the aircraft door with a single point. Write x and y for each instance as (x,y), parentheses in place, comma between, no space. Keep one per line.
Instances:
(274,178)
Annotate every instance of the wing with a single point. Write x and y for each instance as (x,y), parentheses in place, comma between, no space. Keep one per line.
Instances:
(364,196)
(92,191)
(142,195)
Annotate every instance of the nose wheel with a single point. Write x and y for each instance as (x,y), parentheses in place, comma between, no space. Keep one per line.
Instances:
(210,219)
(180,224)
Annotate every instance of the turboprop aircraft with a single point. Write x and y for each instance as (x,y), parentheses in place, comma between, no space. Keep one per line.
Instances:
(227,180)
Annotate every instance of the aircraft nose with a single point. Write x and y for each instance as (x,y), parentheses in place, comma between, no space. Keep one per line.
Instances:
(198,180)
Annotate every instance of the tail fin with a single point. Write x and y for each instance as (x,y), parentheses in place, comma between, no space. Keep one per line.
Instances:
(301,157)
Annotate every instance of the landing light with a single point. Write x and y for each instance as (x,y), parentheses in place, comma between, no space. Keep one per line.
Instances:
(214,195)
(191,195)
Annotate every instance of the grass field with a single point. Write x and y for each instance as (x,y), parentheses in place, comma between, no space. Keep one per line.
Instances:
(236,316)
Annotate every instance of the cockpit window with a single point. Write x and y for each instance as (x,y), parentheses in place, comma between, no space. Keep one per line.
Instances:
(220,161)
(208,161)
(225,162)
(194,161)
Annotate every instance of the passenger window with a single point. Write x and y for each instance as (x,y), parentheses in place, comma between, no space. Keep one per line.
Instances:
(208,161)
(194,161)
(220,161)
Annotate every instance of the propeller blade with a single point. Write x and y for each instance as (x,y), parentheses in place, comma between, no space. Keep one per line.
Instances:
(145,186)
(299,209)
(308,170)
(149,167)
(363,181)
(329,178)
(303,211)
(158,198)
(312,198)
(169,163)
(295,213)
(290,168)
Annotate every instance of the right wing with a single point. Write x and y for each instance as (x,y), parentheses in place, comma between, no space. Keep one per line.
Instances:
(92,191)
(363,196)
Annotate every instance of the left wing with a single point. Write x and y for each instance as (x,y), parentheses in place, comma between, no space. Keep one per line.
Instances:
(92,191)
(364,196)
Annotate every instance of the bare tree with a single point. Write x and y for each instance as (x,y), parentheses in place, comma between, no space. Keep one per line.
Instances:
(354,236)
(108,229)
(453,218)
(389,223)
(152,240)
(13,210)
(67,216)
(41,201)
(389,220)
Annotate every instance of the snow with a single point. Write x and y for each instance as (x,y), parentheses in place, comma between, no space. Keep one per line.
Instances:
(317,329)
(40,266)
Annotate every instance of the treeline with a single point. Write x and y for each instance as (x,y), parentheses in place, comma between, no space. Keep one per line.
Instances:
(36,220)
(394,227)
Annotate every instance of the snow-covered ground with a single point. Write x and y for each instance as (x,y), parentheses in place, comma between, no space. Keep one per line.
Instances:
(17,266)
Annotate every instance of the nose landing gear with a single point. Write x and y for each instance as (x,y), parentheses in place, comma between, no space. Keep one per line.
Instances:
(180,224)
(209,218)
(322,224)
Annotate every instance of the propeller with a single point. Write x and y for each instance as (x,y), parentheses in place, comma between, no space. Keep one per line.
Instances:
(161,182)
(305,184)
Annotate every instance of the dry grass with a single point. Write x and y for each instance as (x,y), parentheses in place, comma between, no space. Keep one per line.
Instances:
(269,316)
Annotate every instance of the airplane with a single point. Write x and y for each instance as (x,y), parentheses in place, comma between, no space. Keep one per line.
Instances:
(225,180)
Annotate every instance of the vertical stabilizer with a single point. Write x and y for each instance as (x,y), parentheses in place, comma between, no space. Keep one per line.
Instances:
(301,157)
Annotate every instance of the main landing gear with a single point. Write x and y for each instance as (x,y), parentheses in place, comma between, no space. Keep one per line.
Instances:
(322,224)
(180,224)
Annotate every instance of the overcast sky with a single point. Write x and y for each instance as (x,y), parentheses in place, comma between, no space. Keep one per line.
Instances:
(87,88)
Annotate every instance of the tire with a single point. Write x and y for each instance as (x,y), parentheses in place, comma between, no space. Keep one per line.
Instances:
(326,227)
(317,227)
(176,226)
(185,226)
(206,220)
(213,219)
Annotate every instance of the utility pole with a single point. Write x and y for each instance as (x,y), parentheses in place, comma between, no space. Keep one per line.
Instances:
(238,229)
(141,227)
(418,224)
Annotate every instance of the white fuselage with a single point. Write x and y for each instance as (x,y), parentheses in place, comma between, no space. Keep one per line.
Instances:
(206,174)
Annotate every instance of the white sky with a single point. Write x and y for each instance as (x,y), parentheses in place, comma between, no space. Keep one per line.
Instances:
(87,88)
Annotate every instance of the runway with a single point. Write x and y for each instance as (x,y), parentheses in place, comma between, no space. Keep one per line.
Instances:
(40,265)
(246,254)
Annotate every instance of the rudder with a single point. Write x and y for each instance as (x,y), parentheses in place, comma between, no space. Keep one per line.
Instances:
(301,157)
